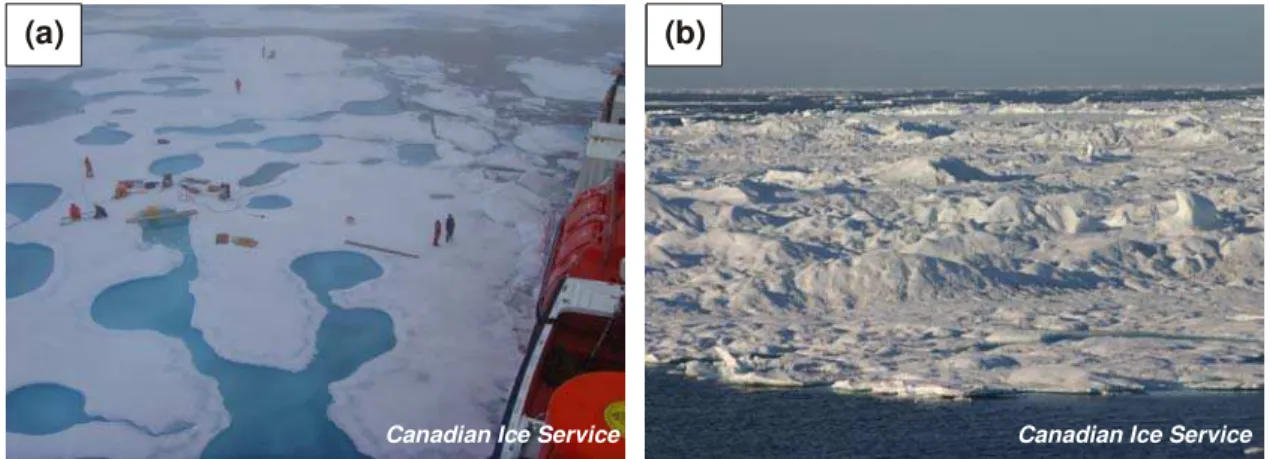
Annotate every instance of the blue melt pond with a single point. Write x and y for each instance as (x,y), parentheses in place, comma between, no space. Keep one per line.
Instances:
(320,116)
(266,173)
(184,92)
(292,144)
(103,135)
(386,106)
(233,145)
(161,303)
(190,69)
(176,165)
(31,101)
(170,80)
(274,412)
(160,44)
(324,272)
(24,200)
(102,97)
(87,74)
(43,409)
(269,201)
(417,154)
(237,127)
(200,56)
(28,266)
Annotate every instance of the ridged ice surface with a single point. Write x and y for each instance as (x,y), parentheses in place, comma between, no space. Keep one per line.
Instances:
(962,250)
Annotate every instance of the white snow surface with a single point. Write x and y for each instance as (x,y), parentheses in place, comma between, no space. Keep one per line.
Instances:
(460,312)
(962,251)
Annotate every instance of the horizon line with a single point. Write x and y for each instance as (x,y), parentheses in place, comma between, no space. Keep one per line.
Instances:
(1206,87)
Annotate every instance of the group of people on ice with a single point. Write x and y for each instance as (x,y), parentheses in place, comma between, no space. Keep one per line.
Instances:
(449,230)
(76,214)
(238,82)
(124,188)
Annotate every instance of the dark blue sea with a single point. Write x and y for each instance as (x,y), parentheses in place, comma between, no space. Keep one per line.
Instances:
(702,420)
(671,107)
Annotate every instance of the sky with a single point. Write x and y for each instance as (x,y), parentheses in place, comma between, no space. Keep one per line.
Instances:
(923,46)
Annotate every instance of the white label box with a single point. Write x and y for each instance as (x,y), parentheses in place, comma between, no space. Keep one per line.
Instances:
(683,34)
(44,35)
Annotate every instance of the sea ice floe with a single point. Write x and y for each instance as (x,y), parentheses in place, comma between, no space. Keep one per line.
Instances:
(556,80)
(249,307)
(846,248)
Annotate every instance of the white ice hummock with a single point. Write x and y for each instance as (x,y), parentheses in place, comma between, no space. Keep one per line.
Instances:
(961,251)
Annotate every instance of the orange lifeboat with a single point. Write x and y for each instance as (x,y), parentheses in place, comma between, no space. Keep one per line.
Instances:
(594,404)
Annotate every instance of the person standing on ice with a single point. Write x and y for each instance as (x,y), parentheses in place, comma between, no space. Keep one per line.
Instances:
(88,167)
(436,233)
(238,85)
(449,227)
(75,213)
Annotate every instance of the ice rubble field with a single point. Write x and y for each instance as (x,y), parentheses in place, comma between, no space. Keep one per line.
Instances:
(954,250)
(454,311)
